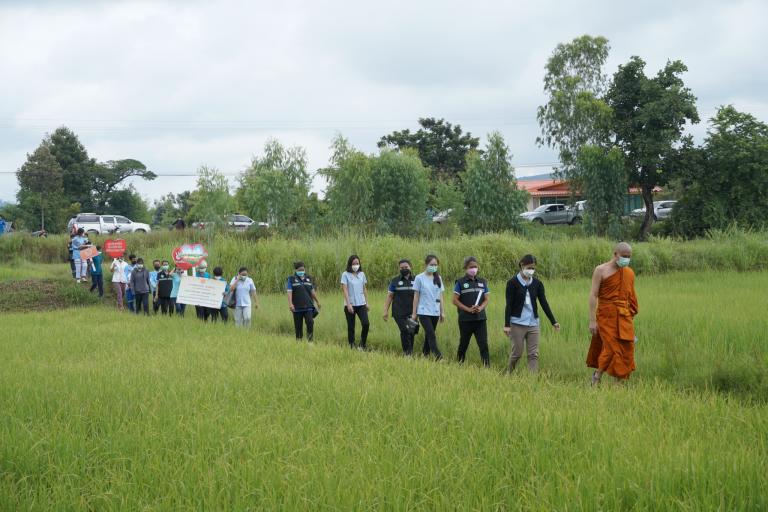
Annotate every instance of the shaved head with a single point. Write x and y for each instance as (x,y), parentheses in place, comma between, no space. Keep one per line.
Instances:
(622,247)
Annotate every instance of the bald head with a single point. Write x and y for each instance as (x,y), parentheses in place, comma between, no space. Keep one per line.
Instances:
(622,247)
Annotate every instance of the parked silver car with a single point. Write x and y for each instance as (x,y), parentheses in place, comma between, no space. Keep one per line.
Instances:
(661,210)
(553,214)
(106,224)
(236,221)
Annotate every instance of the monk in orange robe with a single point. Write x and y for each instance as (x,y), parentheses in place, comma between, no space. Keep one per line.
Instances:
(612,309)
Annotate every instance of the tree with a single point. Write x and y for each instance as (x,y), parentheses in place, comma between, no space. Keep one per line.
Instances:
(493,200)
(350,185)
(649,115)
(604,185)
(41,189)
(725,181)
(575,113)
(400,191)
(441,146)
(106,177)
(129,203)
(211,201)
(77,166)
(276,185)
(171,207)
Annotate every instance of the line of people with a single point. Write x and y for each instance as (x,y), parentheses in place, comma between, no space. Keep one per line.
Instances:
(415,301)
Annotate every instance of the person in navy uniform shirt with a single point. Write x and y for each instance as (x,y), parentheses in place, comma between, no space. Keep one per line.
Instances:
(400,297)
(470,296)
(302,301)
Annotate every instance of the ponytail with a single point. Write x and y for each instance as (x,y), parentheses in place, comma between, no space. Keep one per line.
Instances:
(436,279)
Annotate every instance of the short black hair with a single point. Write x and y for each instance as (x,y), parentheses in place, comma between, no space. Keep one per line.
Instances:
(218,272)
(468,260)
(80,231)
(242,269)
(140,260)
(298,264)
(528,259)
(98,247)
(132,257)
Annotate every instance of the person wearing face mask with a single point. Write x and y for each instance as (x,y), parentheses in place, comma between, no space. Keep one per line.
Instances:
(119,281)
(428,305)
(153,282)
(141,287)
(353,286)
(201,270)
(177,276)
(164,288)
(612,309)
(302,301)
(129,296)
(521,316)
(244,289)
(223,311)
(470,296)
(400,297)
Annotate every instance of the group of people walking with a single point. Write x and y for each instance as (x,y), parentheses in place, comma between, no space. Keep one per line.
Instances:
(414,301)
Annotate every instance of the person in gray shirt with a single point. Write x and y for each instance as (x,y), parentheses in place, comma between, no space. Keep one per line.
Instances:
(353,286)
(139,283)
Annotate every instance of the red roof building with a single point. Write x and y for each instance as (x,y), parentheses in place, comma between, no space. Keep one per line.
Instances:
(551,190)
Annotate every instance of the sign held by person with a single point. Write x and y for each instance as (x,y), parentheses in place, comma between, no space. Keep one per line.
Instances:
(88,253)
(200,291)
(188,256)
(115,248)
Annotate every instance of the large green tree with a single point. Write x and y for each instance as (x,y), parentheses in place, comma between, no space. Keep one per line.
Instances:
(276,185)
(107,177)
(41,190)
(725,181)
(604,184)
(649,116)
(128,202)
(493,201)
(400,191)
(77,166)
(575,113)
(441,146)
(350,188)
(211,201)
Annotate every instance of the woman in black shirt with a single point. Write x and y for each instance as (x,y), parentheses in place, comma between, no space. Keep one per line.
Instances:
(400,296)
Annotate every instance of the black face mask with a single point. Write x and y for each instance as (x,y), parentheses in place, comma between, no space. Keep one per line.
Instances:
(157,267)
(405,272)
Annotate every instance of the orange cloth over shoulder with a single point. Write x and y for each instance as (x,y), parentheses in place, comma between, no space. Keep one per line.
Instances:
(612,349)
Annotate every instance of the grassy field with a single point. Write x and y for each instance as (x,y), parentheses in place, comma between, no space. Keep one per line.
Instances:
(101,410)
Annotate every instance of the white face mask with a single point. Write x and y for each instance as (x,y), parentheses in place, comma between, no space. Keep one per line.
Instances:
(355,268)
(528,272)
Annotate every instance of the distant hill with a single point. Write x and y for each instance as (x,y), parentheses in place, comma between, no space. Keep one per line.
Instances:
(544,176)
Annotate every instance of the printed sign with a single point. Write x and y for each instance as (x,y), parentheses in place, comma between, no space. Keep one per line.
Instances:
(88,253)
(188,256)
(115,248)
(199,291)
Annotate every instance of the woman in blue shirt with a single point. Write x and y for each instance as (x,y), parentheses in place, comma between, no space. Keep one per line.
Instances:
(521,317)
(353,286)
(428,304)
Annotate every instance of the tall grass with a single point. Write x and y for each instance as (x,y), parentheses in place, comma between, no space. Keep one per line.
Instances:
(270,259)
(104,411)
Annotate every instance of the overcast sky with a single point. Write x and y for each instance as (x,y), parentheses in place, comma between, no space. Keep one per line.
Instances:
(180,84)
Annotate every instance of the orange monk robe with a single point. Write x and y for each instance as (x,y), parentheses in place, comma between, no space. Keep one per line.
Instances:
(612,349)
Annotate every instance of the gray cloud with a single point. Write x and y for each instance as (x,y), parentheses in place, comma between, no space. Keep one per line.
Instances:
(181,84)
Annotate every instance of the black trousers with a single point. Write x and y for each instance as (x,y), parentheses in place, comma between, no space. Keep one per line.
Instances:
(72,267)
(480,329)
(223,312)
(406,336)
(202,313)
(155,304)
(166,305)
(430,336)
(300,318)
(142,301)
(362,313)
(98,283)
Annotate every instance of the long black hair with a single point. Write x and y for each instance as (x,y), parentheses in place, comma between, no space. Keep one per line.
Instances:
(350,260)
(436,276)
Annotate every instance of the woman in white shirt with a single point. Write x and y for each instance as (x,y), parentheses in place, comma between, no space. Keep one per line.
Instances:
(119,279)
(428,304)
(353,286)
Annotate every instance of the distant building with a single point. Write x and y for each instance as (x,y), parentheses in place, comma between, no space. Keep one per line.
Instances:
(545,189)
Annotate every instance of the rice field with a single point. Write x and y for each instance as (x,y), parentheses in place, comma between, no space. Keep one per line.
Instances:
(105,411)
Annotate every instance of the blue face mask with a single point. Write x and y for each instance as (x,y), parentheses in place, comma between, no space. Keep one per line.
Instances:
(300,273)
(622,262)
(432,269)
